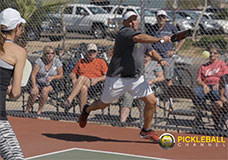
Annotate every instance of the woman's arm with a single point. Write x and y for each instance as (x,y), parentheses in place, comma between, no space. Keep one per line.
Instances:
(58,76)
(205,86)
(200,82)
(18,72)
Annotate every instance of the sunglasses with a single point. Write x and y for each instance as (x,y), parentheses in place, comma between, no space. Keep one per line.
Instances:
(47,53)
(162,16)
(92,51)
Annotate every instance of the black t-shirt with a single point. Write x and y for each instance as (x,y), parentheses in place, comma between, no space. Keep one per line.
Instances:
(128,57)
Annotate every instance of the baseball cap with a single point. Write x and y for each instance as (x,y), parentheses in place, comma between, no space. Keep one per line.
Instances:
(129,14)
(92,46)
(161,12)
(10,18)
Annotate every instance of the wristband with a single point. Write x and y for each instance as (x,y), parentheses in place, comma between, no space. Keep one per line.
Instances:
(162,40)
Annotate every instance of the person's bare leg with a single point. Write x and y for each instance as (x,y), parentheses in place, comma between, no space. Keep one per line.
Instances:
(83,97)
(124,114)
(98,104)
(32,99)
(43,98)
(87,109)
(146,132)
(150,104)
(82,80)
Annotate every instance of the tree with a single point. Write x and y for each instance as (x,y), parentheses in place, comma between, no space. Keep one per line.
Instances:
(198,21)
(34,11)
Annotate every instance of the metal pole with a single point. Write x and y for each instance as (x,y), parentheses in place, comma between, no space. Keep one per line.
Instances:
(142,16)
(175,6)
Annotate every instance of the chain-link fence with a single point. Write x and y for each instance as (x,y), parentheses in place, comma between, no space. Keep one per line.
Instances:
(69,26)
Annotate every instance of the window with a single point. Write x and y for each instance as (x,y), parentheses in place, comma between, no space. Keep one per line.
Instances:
(108,9)
(129,9)
(97,10)
(81,11)
(170,15)
(147,12)
(118,11)
(68,10)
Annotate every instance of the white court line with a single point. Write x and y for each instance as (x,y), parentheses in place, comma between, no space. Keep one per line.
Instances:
(52,153)
(98,151)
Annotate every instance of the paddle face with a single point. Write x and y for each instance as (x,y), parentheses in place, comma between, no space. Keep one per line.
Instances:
(26,73)
(180,35)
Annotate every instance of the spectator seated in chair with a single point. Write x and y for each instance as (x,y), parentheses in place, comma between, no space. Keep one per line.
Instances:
(46,69)
(153,74)
(221,106)
(208,79)
(88,72)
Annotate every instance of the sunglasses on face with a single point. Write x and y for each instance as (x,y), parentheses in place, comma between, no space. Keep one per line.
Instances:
(162,16)
(92,51)
(47,53)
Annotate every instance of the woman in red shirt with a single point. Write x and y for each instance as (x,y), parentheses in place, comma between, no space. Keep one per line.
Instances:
(208,78)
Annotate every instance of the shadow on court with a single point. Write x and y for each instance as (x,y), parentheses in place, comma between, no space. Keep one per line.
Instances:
(86,138)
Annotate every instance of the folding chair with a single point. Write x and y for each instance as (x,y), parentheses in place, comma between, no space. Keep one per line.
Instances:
(24,90)
(184,92)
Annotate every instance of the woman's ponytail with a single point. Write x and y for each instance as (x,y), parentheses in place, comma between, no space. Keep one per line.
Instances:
(2,39)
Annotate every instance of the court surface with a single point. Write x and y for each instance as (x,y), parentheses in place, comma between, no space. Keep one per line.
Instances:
(87,154)
(55,140)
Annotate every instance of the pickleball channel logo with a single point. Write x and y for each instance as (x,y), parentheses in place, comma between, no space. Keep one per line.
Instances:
(166,141)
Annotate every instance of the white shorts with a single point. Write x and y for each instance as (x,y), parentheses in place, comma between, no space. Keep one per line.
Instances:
(115,87)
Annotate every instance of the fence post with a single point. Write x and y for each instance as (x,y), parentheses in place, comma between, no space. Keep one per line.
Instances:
(142,16)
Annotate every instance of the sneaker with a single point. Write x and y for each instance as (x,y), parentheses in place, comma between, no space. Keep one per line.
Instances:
(83,117)
(149,135)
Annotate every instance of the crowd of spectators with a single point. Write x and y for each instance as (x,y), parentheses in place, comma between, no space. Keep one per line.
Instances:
(90,73)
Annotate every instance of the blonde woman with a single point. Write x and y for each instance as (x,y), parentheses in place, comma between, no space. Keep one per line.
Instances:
(46,69)
(12,61)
